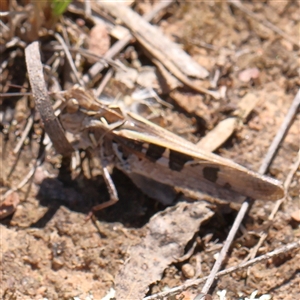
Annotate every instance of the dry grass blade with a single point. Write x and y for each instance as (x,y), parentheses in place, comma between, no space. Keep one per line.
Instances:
(39,90)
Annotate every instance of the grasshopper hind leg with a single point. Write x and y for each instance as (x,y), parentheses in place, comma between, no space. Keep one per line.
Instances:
(105,162)
(113,194)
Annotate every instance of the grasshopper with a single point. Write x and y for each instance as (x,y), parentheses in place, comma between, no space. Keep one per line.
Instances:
(137,146)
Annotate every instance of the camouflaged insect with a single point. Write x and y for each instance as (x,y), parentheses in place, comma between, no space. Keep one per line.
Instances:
(138,146)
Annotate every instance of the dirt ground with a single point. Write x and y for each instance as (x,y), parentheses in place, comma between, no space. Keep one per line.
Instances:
(48,248)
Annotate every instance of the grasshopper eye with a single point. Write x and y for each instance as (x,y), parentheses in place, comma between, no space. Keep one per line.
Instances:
(72,106)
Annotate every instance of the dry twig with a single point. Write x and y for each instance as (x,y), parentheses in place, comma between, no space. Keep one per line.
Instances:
(195,283)
(118,46)
(237,222)
(26,177)
(24,134)
(104,82)
(69,57)
(39,90)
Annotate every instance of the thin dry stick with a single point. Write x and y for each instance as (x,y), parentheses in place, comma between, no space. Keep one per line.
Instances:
(16,94)
(117,47)
(104,82)
(26,177)
(239,5)
(237,222)
(278,203)
(42,101)
(292,172)
(69,58)
(195,283)
(3,66)
(264,166)
(85,53)
(281,133)
(24,134)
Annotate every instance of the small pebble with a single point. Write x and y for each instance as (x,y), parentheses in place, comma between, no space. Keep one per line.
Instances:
(57,263)
(296,215)
(188,271)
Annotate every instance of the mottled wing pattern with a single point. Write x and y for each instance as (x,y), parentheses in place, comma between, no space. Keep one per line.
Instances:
(163,156)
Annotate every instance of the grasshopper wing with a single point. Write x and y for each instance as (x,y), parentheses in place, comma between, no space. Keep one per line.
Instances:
(163,156)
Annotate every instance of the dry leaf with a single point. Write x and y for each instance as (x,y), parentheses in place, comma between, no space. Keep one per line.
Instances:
(168,232)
